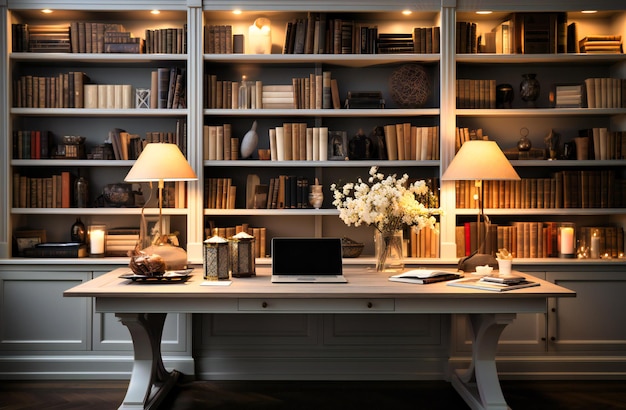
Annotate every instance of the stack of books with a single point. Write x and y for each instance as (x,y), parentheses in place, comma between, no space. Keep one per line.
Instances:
(119,241)
(601,44)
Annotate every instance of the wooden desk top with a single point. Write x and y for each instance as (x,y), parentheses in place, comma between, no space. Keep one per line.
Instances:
(366,291)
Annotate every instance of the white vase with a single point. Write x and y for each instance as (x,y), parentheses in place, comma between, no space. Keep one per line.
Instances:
(249,142)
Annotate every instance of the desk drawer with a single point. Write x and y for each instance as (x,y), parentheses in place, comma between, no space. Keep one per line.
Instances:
(316,305)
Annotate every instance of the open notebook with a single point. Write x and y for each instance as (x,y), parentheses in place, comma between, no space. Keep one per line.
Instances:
(307,260)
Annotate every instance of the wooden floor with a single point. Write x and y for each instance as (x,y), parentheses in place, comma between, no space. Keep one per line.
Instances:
(271,395)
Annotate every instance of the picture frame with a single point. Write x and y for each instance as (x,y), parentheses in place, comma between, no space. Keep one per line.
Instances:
(152,225)
(25,239)
(337,145)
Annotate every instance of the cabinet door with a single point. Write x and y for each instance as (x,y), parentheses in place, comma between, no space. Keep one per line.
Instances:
(34,315)
(594,320)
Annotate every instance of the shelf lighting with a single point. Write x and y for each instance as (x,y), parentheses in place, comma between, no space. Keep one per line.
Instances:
(155,12)
(589,11)
(46,11)
(407,12)
(484,12)
(237,12)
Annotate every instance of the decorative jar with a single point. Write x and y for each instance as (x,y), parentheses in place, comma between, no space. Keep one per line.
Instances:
(242,262)
(216,258)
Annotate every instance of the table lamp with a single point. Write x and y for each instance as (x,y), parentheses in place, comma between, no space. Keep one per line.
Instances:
(160,162)
(480,160)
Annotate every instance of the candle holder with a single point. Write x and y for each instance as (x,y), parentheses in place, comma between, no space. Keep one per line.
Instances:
(97,240)
(567,240)
(595,243)
(242,255)
(216,258)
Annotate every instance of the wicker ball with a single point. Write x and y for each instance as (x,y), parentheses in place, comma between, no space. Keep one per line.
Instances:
(409,85)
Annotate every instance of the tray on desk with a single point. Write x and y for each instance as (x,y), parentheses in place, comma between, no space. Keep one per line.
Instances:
(172,276)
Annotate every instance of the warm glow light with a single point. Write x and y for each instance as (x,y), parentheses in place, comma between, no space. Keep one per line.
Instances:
(407,12)
(589,11)
(46,11)
(237,11)
(155,12)
(484,12)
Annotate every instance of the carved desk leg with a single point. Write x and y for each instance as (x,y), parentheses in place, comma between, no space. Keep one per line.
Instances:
(479,385)
(150,381)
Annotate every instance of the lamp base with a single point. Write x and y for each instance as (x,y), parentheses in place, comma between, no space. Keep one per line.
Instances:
(469,263)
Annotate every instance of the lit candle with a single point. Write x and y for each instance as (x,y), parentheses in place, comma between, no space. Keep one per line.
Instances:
(595,246)
(567,241)
(96,242)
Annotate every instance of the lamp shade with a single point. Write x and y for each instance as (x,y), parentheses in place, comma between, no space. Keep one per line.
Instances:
(479,160)
(161,162)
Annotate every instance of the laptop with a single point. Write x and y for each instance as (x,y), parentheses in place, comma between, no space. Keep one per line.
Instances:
(307,260)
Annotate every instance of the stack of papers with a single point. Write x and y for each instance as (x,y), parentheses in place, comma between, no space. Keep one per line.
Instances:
(495,284)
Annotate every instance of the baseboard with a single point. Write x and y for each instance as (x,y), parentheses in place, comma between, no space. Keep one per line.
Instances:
(116,367)
(555,367)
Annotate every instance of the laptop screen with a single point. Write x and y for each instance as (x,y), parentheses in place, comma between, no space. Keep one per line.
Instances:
(306,256)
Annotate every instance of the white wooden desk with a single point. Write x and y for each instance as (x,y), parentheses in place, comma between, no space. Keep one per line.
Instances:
(143,307)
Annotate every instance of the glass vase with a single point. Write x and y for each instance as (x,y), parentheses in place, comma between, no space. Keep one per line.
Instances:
(388,246)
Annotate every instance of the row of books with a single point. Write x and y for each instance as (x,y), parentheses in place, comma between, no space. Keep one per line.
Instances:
(475,93)
(218,143)
(62,91)
(220,193)
(422,244)
(317,91)
(128,145)
(534,239)
(601,44)
(55,191)
(320,34)
(71,90)
(466,37)
(606,92)
(605,144)
(32,144)
(298,142)
(259,234)
(43,38)
(171,40)
(218,39)
(108,96)
(565,189)
(426,40)
(282,192)
(404,141)
(93,37)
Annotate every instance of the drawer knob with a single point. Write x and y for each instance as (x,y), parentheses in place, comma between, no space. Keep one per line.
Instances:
(264,304)
(370,305)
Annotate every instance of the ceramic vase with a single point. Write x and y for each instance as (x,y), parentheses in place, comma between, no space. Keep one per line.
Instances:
(316,196)
(249,142)
(529,89)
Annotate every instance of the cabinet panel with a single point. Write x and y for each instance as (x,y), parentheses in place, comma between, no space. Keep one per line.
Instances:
(36,316)
(593,320)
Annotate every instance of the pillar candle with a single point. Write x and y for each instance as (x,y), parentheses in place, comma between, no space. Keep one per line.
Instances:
(567,241)
(96,242)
